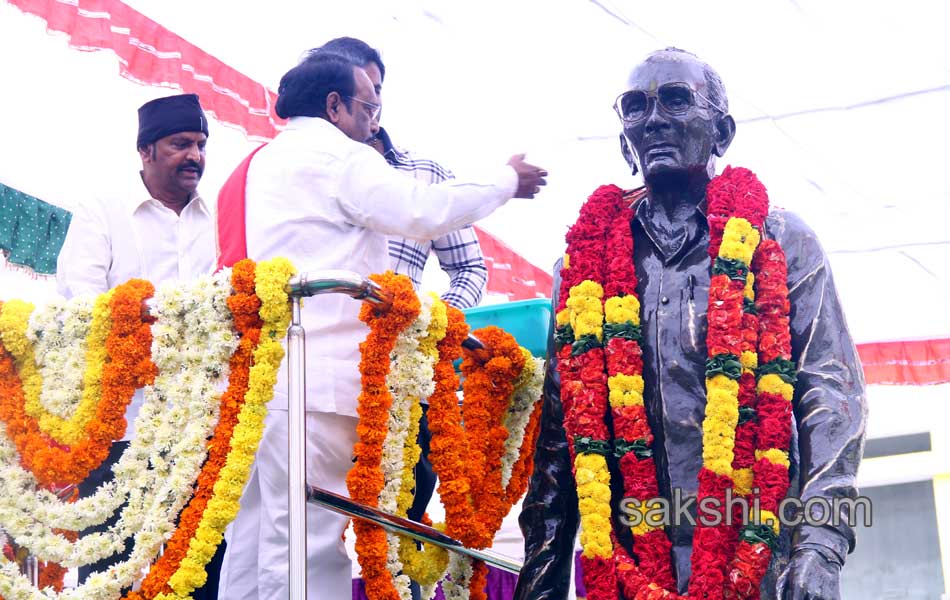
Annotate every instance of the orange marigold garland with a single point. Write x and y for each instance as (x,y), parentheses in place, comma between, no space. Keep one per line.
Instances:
(365,479)
(449,446)
(490,374)
(476,489)
(129,367)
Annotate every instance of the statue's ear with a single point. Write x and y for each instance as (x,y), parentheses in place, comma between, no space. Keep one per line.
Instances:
(628,154)
(725,132)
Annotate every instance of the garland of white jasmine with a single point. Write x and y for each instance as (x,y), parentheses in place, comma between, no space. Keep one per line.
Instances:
(192,340)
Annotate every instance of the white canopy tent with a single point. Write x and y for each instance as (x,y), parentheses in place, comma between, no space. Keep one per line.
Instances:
(842,121)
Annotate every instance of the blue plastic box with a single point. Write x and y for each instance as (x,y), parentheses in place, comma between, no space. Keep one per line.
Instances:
(528,320)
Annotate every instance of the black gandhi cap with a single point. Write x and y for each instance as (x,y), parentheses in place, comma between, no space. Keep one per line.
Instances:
(165,116)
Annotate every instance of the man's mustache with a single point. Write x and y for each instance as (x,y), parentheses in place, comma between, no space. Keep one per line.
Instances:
(191,165)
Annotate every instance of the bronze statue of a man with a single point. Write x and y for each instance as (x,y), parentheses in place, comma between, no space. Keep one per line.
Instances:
(675,123)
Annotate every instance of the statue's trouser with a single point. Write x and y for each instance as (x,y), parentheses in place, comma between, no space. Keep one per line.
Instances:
(256,564)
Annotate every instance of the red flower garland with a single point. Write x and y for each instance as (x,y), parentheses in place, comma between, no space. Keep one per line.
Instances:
(601,252)
(773,411)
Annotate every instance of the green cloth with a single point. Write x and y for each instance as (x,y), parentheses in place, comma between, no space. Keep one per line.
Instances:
(31,231)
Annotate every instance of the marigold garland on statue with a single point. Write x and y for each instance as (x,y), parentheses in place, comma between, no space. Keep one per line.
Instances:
(599,358)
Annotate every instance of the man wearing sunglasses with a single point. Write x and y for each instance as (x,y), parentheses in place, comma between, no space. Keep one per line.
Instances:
(675,123)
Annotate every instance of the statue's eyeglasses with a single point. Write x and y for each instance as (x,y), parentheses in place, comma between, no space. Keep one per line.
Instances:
(673,99)
(372,109)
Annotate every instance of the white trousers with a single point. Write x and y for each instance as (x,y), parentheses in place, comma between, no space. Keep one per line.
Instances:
(256,563)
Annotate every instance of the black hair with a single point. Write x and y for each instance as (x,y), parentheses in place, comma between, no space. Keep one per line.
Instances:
(304,89)
(714,86)
(357,51)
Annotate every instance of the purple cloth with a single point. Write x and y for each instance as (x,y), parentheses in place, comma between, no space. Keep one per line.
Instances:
(500,585)
(581,591)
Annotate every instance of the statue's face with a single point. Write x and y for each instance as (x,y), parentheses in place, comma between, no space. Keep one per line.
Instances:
(668,120)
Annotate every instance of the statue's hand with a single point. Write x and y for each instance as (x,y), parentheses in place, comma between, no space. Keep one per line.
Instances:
(810,576)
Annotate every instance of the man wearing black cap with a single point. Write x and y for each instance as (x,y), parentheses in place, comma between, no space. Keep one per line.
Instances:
(154,227)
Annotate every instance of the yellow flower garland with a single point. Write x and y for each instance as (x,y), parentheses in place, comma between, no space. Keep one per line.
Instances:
(95,361)
(14,320)
(593,493)
(774,384)
(648,523)
(272,276)
(587,310)
(625,390)
(722,415)
(742,480)
(622,309)
(739,241)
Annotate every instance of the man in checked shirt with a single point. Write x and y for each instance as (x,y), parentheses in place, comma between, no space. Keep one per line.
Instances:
(458,252)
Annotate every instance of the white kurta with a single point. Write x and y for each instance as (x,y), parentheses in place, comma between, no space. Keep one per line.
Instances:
(126,234)
(326,202)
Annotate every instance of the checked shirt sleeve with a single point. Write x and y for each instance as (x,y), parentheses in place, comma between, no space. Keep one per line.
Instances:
(459,253)
(461,257)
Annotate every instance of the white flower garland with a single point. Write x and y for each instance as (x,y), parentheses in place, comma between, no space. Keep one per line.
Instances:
(458,579)
(410,376)
(523,399)
(409,379)
(193,339)
(58,333)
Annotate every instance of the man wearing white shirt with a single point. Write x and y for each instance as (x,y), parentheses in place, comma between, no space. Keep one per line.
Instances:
(321,197)
(155,227)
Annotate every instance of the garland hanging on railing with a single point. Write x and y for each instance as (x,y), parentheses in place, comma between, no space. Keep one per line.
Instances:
(69,370)
(198,328)
(481,452)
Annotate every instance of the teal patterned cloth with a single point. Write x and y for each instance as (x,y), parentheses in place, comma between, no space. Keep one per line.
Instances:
(31,231)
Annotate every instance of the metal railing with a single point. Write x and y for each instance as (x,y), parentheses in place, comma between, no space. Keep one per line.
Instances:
(359,288)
